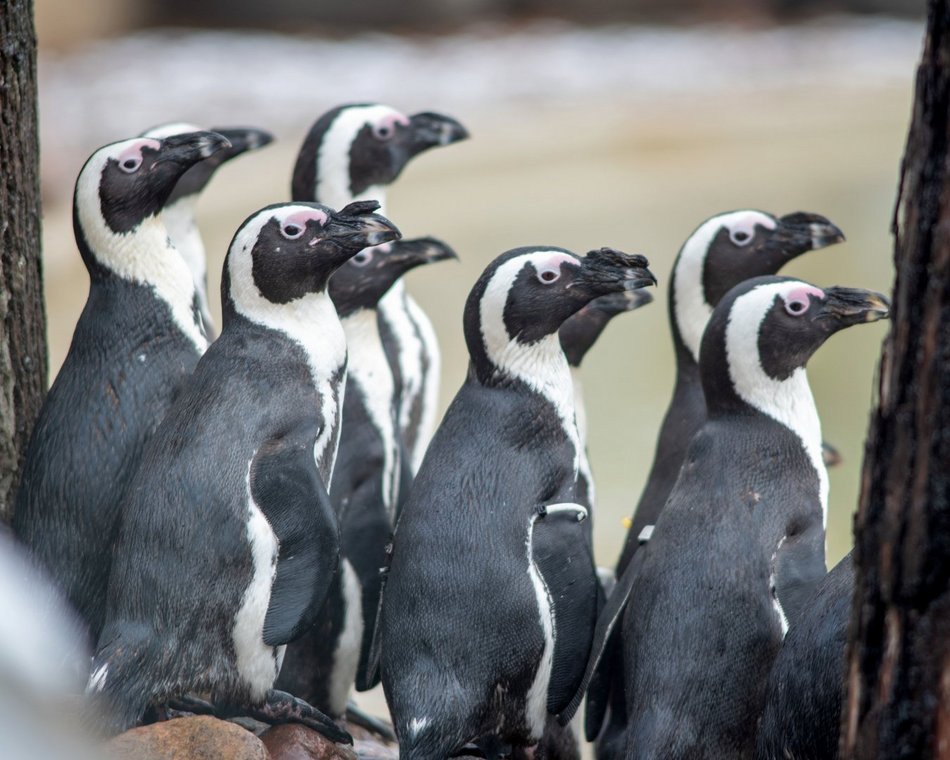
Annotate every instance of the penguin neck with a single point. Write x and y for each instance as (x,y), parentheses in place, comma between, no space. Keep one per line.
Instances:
(543,368)
(310,321)
(789,402)
(144,256)
(179,219)
(689,309)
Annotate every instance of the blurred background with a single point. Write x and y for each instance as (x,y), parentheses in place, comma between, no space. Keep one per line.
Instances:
(594,122)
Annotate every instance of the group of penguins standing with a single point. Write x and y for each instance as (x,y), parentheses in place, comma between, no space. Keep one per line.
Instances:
(254,525)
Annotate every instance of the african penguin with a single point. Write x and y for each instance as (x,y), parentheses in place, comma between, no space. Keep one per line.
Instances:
(722,252)
(137,339)
(246,449)
(322,665)
(355,152)
(806,689)
(488,542)
(740,543)
(179,213)
(577,335)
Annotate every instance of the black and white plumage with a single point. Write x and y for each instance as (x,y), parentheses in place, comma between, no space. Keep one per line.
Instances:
(488,542)
(739,545)
(802,715)
(577,335)
(355,152)
(722,252)
(179,213)
(229,541)
(137,339)
(322,667)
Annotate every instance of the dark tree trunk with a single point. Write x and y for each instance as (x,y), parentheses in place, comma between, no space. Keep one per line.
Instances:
(23,363)
(899,651)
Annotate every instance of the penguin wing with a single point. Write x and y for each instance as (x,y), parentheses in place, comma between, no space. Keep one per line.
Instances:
(604,645)
(800,566)
(562,555)
(288,489)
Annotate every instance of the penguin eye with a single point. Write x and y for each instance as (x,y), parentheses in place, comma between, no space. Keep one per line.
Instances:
(740,237)
(796,306)
(547,276)
(362,258)
(291,231)
(383,131)
(131,164)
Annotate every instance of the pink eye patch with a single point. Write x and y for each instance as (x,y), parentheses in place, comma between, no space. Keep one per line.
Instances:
(300,218)
(134,151)
(797,300)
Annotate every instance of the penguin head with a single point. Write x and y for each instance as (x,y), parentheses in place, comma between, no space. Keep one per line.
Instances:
(730,248)
(287,251)
(526,294)
(365,278)
(581,331)
(125,185)
(193,181)
(764,331)
(355,151)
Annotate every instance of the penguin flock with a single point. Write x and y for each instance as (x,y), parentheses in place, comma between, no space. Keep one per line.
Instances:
(255,519)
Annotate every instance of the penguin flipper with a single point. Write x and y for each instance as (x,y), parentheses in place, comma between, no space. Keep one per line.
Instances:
(288,489)
(800,568)
(607,620)
(562,555)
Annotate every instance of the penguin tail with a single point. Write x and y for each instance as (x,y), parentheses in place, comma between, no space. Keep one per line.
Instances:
(122,681)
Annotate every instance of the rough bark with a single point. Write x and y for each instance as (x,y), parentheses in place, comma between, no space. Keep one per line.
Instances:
(898,704)
(23,360)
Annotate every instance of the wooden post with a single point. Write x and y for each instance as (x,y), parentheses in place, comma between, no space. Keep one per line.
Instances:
(23,357)
(898,703)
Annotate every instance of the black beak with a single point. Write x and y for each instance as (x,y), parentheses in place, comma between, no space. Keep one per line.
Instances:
(431,130)
(242,139)
(801,231)
(853,306)
(187,149)
(612,271)
(408,254)
(355,227)
(613,304)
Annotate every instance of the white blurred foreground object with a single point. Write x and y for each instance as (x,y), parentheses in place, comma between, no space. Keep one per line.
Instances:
(43,660)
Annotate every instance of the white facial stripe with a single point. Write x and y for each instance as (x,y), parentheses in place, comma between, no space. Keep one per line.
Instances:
(144,255)
(542,366)
(692,309)
(176,128)
(311,321)
(788,401)
(333,156)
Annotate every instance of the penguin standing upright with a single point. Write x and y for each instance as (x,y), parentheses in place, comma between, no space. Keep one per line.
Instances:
(246,448)
(180,209)
(355,152)
(740,543)
(577,335)
(490,600)
(137,339)
(722,252)
(802,715)
(365,483)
